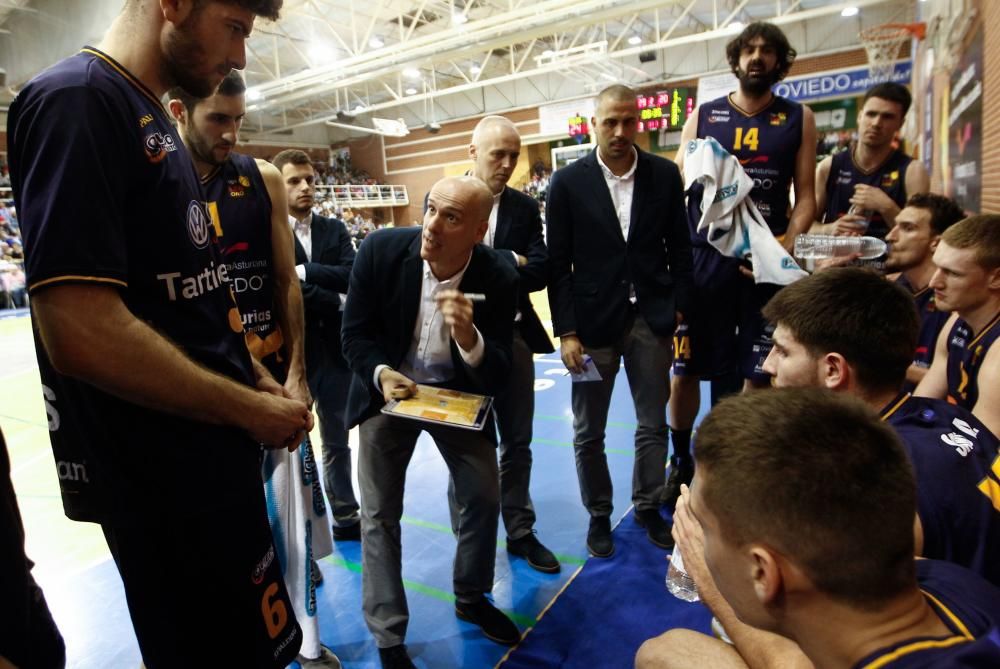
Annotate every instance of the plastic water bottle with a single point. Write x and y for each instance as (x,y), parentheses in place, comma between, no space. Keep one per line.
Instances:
(866,214)
(679,583)
(830,246)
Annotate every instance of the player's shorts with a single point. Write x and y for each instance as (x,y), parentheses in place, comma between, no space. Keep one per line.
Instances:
(725,331)
(207,590)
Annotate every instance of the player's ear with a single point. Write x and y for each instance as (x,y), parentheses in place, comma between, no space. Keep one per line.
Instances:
(177,110)
(176,11)
(835,373)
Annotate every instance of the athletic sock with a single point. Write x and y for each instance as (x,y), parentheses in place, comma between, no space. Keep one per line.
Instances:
(681,441)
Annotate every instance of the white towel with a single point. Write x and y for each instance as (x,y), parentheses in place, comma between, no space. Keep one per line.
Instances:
(735,226)
(297,513)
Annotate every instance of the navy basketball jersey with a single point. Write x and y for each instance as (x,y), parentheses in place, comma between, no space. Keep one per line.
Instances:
(966,351)
(241,212)
(766,144)
(967,606)
(931,323)
(890,176)
(108,196)
(956,464)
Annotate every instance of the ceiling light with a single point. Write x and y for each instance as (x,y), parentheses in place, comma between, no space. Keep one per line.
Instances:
(634,40)
(320,52)
(411,73)
(458,18)
(475,69)
(548,53)
(736,25)
(849,11)
(254,94)
(411,91)
(359,109)
(376,42)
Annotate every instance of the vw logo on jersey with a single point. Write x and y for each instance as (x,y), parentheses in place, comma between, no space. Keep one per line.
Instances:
(197,224)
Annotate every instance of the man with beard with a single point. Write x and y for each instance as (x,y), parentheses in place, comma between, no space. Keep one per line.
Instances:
(324,255)
(775,141)
(139,340)
(872,178)
(620,281)
(913,239)
(966,367)
(246,203)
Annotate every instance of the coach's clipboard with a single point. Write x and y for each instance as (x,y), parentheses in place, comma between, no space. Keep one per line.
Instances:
(446,407)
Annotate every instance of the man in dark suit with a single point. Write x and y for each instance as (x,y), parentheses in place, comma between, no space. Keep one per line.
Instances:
(324,255)
(620,257)
(516,227)
(409,320)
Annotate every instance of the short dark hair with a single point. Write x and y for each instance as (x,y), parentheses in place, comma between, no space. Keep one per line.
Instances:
(852,311)
(773,36)
(619,92)
(231,85)
(892,92)
(944,211)
(980,233)
(818,476)
(269,9)
(291,156)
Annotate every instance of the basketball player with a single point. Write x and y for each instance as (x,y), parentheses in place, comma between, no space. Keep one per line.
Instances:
(246,203)
(966,367)
(874,176)
(775,141)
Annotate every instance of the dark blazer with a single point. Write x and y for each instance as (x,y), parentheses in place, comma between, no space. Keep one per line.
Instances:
(592,265)
(519,229)
(382,307)
(327,276)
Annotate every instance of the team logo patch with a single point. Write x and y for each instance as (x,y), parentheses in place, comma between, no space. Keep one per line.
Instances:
(158,145)
(719,117)
(779,118)
(197,224)
(258,572)
(889,180)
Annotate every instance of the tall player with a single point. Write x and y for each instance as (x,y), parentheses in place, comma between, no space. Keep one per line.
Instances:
(775,141)
(874,177)
(155,423)
(247,207)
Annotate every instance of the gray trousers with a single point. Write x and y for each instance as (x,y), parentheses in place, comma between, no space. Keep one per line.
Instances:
(647,366)
(514,409)
(387,445)
(328,385)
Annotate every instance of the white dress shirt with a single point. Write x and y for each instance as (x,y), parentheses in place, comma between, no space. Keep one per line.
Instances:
(429,358)
(621,189)
(303,232)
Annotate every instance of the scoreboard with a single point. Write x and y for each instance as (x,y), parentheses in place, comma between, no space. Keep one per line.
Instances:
(665,109)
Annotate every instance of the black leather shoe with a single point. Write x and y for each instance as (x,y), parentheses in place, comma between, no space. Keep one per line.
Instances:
(680,473)
(531,549)
(348,532)
(599,541)
(657,529)
(395,657)
(315,573)
(495,624)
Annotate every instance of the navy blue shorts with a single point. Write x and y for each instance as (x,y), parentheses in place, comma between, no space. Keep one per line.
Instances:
(725,331)
(207,590)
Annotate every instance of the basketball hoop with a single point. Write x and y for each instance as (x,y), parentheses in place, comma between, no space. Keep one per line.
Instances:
(883,43)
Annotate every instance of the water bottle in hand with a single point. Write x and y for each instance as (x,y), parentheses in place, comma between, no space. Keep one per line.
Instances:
(830,246)
(679,582)
(865,214)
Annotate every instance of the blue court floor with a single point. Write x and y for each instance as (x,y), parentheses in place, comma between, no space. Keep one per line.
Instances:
(85,594)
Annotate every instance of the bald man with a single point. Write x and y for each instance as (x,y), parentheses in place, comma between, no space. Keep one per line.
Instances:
(408,320)
(515,227)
